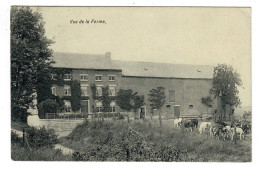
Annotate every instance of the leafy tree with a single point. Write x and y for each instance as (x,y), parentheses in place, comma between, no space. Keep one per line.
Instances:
(157,99)
(128,100)
(124,99)
(75,95)
(225,85)
(30,55)
(138,101)
(47,106)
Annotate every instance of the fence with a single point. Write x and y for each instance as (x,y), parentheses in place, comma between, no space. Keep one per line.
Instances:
(83,116)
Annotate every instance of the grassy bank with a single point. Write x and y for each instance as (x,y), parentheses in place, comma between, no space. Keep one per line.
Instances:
(146,141)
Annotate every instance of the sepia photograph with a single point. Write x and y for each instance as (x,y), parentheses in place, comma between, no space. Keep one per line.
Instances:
(130,84)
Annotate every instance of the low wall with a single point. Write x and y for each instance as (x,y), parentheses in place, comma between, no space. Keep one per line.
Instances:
(59,125)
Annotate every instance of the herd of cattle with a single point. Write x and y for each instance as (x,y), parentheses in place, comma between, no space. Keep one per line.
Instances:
(216,130)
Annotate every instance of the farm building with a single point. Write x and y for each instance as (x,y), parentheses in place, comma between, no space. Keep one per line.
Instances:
(184,85)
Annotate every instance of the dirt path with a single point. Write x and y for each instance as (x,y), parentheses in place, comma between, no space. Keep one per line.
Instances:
(65,150)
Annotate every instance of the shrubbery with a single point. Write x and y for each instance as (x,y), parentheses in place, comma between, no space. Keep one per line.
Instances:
(38,138)
(47,106)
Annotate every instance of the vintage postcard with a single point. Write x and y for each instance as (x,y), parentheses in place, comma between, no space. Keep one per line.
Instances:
(138,84)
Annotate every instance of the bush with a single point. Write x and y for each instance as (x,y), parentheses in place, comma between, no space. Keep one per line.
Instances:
(15,138)
(47,106)
(38,138)
(19,153)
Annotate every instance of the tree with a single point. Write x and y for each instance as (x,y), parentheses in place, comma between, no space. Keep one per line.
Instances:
(47,106)
(128,100)
(30,55)
(225,85)
(157,99)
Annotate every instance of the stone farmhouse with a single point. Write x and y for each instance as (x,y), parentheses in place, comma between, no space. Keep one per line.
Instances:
(184,85)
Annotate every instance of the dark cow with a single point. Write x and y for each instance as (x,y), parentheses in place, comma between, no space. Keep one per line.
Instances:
(246,128)
(190,123)
(218,131)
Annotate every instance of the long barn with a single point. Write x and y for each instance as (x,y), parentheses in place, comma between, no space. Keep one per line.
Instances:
(184,85)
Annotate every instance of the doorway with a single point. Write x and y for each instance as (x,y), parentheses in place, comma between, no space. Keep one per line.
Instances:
(176,111)
(142,112)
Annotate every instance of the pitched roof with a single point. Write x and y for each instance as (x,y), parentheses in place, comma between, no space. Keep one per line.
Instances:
(149,69)
(132,68)
(83,61)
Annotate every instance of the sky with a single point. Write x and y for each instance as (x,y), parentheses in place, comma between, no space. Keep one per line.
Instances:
(179,35)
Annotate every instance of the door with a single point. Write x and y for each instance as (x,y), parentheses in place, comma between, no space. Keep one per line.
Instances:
(176,111)
(142,112)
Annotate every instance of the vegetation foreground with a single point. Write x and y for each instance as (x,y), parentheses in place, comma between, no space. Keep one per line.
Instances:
(138,141)
(147,141)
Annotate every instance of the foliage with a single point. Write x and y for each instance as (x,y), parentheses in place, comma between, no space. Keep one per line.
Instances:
(47,106)
(225,83)
(30,56)
(138,101)
(94,91)
(144,141)
(75,95)
(20,153)
(15,138)
(42,137)
(44,85)
(106,99)
(128,100)
(206,100)
(124,99)
(157,97)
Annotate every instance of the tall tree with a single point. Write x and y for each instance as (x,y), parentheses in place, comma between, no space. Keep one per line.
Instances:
(30,55)
(128,100)
(157,99)
(225,85)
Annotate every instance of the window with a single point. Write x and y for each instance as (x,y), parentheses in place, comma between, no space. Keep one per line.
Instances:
(53,77)
(210,106)
(171,95)
(83,77)
(113,106)
(99,106)
(84,90)
(53,91)
(99,91)
(98,77)
(112,90)
(67,106)
(111,78)
(190,106)
(67,90)
(67,77)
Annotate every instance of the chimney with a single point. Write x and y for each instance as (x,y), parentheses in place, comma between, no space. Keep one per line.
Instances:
(108,55)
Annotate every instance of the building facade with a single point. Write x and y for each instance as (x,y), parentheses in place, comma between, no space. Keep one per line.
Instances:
(184,85)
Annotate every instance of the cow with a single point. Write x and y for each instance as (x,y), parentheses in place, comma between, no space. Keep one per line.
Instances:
(195,122)
(219,131)
(190,123)
(246,128)
(204,126)
(176,122)
(235,130)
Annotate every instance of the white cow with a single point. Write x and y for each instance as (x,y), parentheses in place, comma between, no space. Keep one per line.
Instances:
(239,131)
(176,122)
(203,126)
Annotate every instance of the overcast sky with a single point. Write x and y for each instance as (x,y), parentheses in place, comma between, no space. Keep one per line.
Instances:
(202,36)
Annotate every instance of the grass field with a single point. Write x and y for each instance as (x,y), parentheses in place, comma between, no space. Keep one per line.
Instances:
(147,141)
